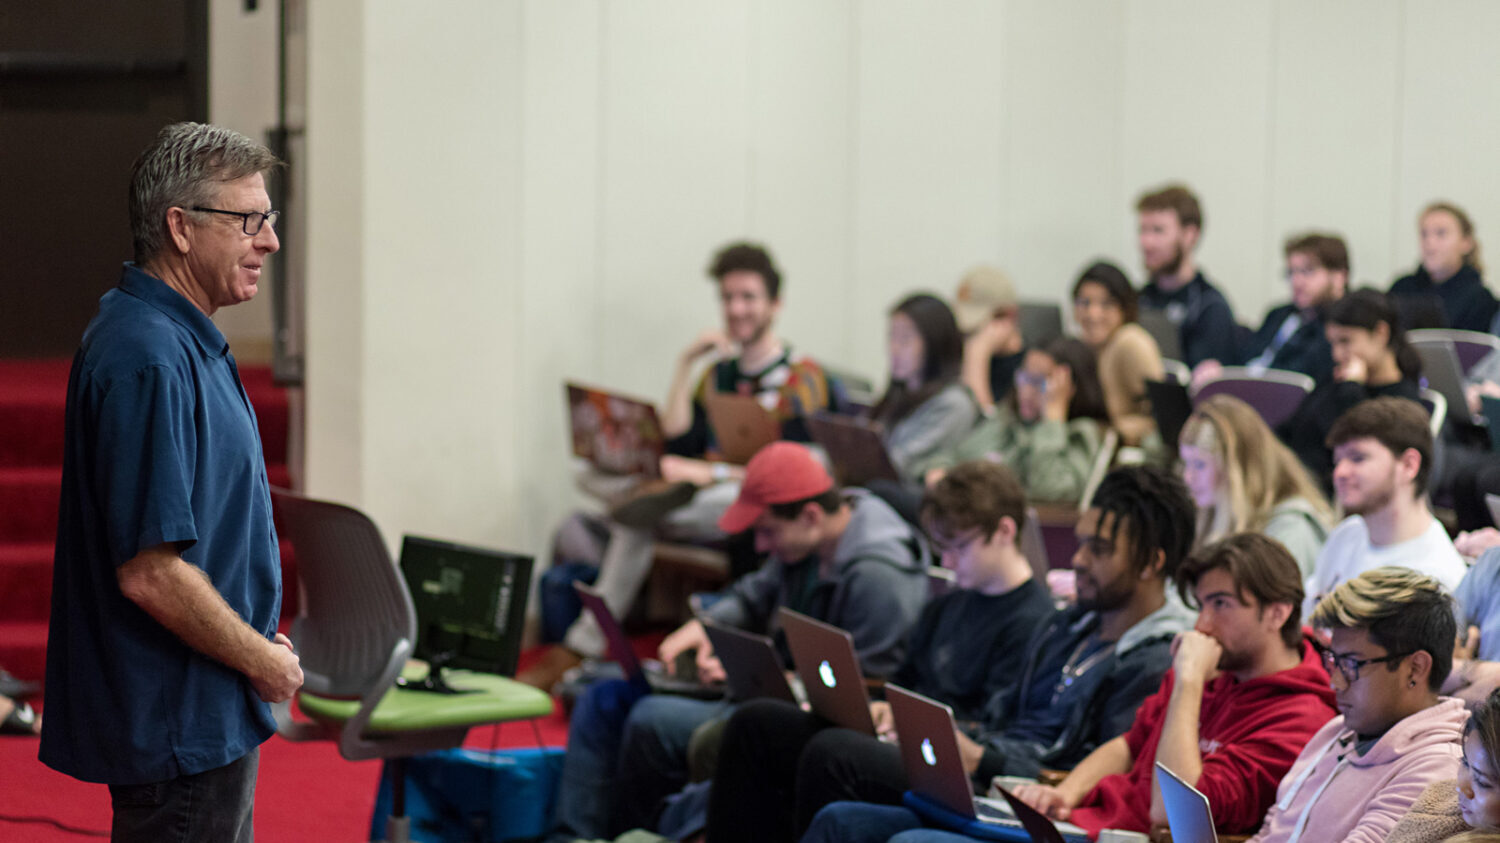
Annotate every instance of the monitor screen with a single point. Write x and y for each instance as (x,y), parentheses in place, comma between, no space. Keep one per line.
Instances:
(470,602)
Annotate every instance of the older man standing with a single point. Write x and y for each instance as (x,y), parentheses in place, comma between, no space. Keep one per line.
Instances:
(163,652)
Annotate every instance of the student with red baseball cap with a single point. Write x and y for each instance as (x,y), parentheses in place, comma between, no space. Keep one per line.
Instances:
(841,556)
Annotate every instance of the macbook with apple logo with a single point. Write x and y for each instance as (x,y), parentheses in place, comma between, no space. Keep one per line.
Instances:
(829,670)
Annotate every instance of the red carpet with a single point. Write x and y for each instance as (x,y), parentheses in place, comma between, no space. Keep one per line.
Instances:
(306,792)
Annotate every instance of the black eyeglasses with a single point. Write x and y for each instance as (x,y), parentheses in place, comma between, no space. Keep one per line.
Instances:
(251,222)
(1349,666)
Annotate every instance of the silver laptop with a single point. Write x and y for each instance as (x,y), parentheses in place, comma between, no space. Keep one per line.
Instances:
(925,731)
(1441,373)
(829,670)
(751,666)
(1188,814)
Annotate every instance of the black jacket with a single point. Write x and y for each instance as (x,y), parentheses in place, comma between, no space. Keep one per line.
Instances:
(1467,303)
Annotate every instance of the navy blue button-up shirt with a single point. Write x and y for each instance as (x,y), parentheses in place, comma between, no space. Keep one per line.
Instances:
(162,447)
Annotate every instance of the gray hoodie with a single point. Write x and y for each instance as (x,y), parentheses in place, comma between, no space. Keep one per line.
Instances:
(874,589)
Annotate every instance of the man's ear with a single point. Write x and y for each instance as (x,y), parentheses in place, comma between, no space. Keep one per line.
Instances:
(1006,532)
(1410,461)
(1419,665)
(1278,612)
(178,226)
(1190,234)
(1155,567)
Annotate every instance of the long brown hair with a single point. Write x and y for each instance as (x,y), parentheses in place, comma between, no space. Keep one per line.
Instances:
(1256,471)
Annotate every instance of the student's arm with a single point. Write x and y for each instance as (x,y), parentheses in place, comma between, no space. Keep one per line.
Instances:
(677,413)
(180,597)
(937,424)
(1062,455)
(1194,664)
(1128,362)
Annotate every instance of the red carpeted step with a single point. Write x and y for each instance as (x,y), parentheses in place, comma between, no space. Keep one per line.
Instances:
(23,648)
(25,581)
(28,503)
(33,398)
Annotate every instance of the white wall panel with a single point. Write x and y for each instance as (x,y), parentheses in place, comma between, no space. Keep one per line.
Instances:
(675,177)
(1064,116)
(560,279)
(1450,117)
(442,286)
(929,183)
(800,130)
(1333,131)
(1197,88)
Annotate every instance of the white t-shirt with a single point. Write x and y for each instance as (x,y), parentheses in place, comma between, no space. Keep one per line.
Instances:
(1348,553)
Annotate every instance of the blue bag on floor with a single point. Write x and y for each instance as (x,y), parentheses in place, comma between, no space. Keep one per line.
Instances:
(465,795)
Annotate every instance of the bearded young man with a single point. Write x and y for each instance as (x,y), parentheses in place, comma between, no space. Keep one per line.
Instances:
(1170,222)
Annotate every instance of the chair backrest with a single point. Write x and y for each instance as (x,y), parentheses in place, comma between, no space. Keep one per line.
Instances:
(1469,346)
(1275,394)
(1040,322)
(1034,545)
(1176,370)
(353,607)
(1437,410)
(1103,461)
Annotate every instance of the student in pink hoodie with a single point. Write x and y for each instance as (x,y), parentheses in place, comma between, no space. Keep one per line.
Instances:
(1393,633)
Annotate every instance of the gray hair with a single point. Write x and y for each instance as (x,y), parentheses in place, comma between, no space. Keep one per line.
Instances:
(182,168)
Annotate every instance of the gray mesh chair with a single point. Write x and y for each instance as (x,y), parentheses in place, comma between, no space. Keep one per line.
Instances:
(354,632)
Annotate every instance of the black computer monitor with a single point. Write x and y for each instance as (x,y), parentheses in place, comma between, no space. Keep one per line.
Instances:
(471,606)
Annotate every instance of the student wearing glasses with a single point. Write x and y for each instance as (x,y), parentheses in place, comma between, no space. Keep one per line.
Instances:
(1391,648)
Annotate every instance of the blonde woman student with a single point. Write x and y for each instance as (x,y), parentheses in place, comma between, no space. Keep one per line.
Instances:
(1243,479)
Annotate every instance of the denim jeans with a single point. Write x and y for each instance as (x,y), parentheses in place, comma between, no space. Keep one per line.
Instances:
(215,805)
(627,750)
(860,822)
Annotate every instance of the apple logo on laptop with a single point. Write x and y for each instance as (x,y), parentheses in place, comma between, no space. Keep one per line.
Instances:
(825,672)
(928,754)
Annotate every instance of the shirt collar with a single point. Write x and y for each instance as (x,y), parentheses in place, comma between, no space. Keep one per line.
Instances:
(155,292)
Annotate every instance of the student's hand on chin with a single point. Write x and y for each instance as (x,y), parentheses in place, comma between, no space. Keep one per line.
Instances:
(1196,655)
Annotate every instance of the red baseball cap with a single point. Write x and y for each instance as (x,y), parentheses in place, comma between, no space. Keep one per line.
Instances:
(781,472)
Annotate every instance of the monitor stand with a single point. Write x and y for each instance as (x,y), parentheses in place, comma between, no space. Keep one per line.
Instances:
(433,682)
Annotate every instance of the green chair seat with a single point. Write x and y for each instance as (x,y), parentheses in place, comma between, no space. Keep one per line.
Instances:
(404,710)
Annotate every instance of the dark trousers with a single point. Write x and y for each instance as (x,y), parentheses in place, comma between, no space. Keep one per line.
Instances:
(1472,475)
(778,765)
(215,805)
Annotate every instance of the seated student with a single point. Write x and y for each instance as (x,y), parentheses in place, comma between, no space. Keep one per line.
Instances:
(1450,269)
(1466,810)
(1086,671)
(1476,661)
(1244,479)
(1292,337)
(1392,633)
(1383,451)
(1104,307)
(966,645)
(1245,693)
(750,360)
(1170,225)
(989,318)
(843,557)
(1049,431)
(926,407)
(1371,359)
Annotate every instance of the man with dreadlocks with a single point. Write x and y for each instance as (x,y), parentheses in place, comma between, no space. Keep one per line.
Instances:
(1085,673)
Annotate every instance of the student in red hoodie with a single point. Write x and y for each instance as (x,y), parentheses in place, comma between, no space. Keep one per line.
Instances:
(1245,693)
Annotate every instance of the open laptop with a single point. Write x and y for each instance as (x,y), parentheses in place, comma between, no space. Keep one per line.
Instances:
(750,662)
(1188,814)
(1441,372)
(934,772)
(652,672)
(615,433)
(855,448)
(1170,406)
(829,670)
(741,425)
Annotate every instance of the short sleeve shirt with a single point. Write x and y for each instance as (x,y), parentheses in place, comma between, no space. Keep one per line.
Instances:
(161,447)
